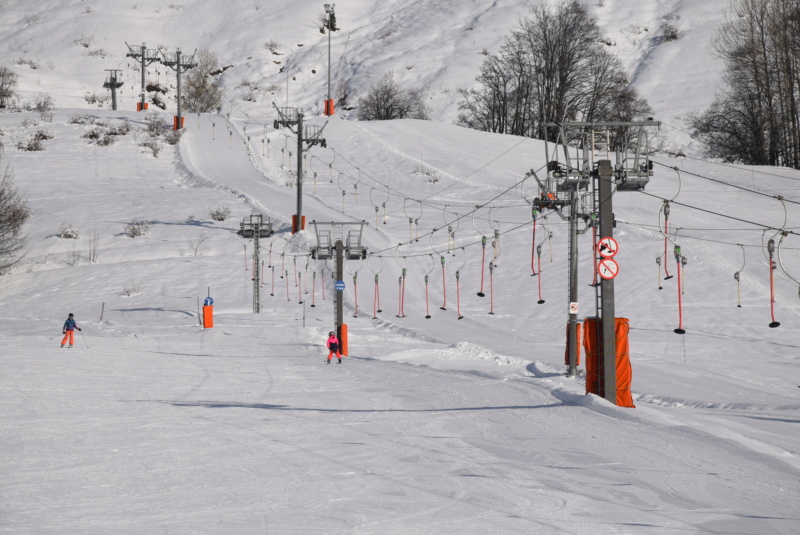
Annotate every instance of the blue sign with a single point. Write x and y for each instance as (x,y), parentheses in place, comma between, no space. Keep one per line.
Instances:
(339,286)
(208,302)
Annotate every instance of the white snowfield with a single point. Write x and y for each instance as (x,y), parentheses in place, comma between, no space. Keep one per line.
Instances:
(153,425)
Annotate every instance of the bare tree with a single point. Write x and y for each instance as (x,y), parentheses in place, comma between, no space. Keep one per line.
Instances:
(14,211)
(203,93)
(386,100)
(755,117)
(552,67)
(8,81)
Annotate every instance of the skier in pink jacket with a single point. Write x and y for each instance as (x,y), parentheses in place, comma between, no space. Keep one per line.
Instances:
(333,347)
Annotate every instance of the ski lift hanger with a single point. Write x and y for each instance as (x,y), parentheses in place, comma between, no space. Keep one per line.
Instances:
(327,238)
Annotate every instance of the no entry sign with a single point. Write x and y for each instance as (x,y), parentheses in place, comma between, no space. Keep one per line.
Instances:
(607,247)
(608,268)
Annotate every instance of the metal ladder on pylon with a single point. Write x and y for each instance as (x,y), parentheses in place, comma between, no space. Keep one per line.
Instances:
(598,145)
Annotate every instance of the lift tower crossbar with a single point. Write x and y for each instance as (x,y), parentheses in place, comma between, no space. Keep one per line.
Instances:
(113,83)
(179,64)
(146,56)
(334,242)
(311,135)
(255,227)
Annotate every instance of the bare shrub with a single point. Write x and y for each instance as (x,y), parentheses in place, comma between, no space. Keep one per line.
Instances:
(136,229)
(73,255)
(84,40)
(94,98)
(273,46)
(80,119)
(30,145)
(152,144)
(94,246)
(132,288)
(28,63)
(68,231)
(104,134)
(43,103)
(669,33)
(197,244)
(156,125)
(222,213)
(42,135)
(120,129)
(173,137)
(157,101)
(155,87)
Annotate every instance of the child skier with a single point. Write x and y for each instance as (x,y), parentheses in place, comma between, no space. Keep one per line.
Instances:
(333,347)
(69,331)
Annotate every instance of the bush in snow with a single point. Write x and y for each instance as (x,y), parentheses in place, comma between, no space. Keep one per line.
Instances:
(156,124)
(152,144)
(34,142)
(136,229)
(68,231)
(220,214)
(132,288)
(43,105)
(172,137)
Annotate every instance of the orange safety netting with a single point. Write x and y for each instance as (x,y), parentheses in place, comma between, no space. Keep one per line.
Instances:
(343,346)
(592,342)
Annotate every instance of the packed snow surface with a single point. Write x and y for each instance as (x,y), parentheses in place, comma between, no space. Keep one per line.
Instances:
(461,423)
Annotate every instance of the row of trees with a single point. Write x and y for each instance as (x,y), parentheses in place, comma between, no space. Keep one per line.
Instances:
(755,117)
(554,66)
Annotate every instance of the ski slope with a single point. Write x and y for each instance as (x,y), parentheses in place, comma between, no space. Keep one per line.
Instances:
(151,424)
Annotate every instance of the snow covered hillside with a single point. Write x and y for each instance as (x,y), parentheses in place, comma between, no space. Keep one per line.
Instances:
(151,424)
(274,50)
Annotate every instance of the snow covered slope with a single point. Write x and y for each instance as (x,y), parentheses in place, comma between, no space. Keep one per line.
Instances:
(151,424)
(438,45)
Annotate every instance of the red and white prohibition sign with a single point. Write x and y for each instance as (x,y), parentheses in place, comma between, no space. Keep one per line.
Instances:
(607,247)
(608,268)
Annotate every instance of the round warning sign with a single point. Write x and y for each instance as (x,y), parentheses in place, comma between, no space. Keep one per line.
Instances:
(608,268)
(607,247)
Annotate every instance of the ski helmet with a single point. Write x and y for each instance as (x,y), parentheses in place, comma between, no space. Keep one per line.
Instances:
(331,333)
(70,314)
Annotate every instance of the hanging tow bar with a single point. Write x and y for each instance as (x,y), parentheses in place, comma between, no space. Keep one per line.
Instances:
(771,251)
(483,260)
(678,257)
(401,286)
(427,308)
(376,296)
(736,277)
(539,255)
(458,285)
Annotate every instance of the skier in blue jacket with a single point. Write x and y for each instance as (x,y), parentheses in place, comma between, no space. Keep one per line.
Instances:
(69,331)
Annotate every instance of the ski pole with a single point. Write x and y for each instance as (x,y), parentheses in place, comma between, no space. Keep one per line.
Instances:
(84,339)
